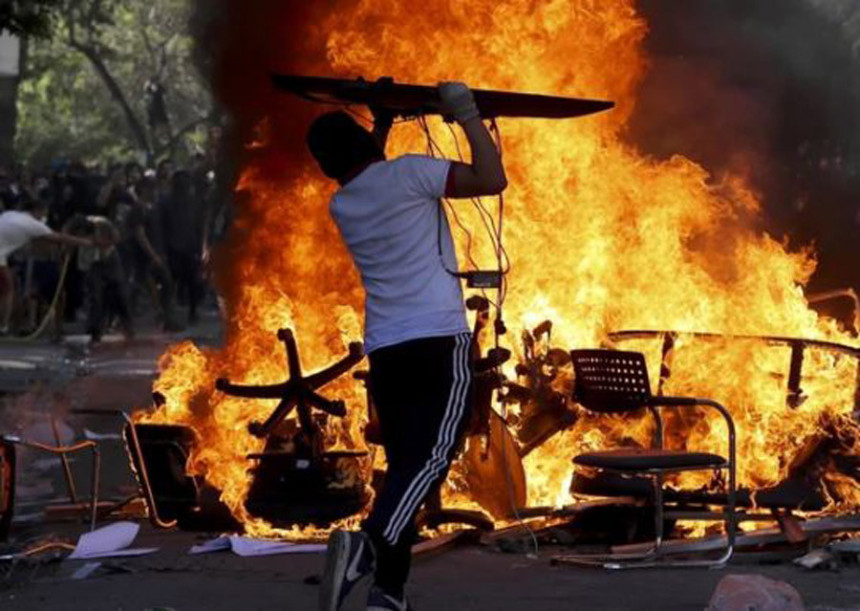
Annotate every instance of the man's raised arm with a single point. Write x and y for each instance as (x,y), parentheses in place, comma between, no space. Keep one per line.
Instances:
(486,174)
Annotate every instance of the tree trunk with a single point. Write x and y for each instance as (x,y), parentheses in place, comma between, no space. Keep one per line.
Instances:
(137,129)
(9,111)
(8,99)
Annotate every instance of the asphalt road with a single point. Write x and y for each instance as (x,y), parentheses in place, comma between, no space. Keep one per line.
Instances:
(469,578)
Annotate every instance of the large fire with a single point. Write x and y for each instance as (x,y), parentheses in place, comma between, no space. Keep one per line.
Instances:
(601,237)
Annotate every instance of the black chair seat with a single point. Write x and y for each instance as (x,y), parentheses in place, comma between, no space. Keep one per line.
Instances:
(639,459)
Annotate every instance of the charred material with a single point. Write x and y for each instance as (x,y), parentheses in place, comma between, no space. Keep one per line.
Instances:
(790,494)
(288,489)
(7,487)
(299,391)
(544,411)
(159,456)
(163,457)
(296,481)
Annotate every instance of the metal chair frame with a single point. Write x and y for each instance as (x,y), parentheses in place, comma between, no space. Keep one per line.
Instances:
(633,395)
(133,447)
(63,452)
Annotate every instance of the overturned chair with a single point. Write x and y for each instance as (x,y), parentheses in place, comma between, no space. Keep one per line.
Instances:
(614,382)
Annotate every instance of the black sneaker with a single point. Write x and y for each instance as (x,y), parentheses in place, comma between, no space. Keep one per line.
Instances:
(380,601)
(350,558)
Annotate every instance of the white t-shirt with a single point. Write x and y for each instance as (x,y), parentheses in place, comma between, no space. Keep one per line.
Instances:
(389,217)
(16,231)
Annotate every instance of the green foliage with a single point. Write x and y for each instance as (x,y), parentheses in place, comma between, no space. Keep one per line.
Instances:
(65,106)
(27,17)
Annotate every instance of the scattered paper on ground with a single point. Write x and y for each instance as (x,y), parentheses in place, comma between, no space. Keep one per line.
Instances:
(249,547)
(213,545)
(110,541)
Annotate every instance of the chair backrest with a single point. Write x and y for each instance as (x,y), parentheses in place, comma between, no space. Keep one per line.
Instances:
(610,381)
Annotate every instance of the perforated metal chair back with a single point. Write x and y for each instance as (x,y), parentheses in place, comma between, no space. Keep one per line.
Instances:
(610,381)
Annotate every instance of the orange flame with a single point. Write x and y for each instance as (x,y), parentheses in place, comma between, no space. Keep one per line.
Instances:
(602,238)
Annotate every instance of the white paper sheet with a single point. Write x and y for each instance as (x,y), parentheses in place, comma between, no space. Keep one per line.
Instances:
(248,547)
(213,545)
(110,541)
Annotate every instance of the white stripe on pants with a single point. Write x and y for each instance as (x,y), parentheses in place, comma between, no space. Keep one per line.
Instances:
(414,494)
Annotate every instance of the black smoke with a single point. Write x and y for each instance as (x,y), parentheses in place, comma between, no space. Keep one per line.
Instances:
(769,90)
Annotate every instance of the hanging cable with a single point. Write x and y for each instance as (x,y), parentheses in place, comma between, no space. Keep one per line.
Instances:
(435,151)
(486,217)
(503,262)
(501,259)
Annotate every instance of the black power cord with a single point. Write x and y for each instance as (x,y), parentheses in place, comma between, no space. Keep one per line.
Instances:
(504,266)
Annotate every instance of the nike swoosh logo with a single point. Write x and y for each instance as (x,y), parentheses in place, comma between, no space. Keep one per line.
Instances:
(352,572)
(402,606)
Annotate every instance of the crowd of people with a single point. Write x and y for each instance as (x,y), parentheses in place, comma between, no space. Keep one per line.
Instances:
(105,246)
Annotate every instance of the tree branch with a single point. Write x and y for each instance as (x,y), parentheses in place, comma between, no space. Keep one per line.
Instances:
(90,50)
(135,126)
(174,140)
(147,41)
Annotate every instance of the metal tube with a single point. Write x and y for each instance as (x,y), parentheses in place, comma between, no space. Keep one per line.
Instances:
(730,520)
(144,478)
(53,450)
(143,475)
(732,485)
(659,419)
(94,495)
(67,471)
(795,373)
(665,366)
(658,512)
(62,451)
(619,336)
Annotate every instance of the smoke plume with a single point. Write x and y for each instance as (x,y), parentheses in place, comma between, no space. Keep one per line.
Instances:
(769,91)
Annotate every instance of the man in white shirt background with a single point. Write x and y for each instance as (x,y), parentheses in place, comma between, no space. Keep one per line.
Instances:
(17,229)
(416,334)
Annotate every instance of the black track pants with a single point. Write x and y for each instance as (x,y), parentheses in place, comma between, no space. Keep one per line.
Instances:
(422,390)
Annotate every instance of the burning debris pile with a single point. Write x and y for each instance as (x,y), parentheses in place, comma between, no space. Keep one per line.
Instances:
(602,239)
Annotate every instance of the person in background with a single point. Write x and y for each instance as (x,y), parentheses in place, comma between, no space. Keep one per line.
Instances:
(146,229)
(10,190)
(84,189)
(163,177)
(112,193)
(42,275)
(79,199)
(106,286)
(133,175)
(18,228)
(203,174)
(119,196)
(182,222)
